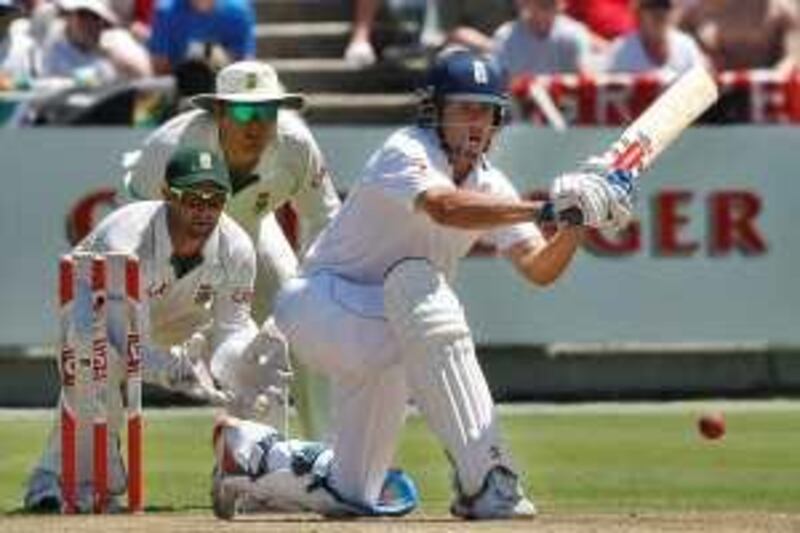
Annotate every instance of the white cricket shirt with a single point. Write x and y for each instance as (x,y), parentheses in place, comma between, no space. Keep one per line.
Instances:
(378,224)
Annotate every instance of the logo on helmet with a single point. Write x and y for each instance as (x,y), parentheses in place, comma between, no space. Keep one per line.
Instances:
(479,70)
(205,161)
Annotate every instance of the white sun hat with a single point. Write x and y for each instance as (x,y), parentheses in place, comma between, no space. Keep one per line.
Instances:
(98,7)
(248,82)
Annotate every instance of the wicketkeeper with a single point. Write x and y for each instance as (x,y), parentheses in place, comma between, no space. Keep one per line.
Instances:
(197,269)
(375,310)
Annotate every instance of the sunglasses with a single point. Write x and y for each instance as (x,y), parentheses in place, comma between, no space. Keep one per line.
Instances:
(198,199)
(245,113)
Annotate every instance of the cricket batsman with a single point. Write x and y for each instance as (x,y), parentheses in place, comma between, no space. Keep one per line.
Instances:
(273,159)
(197,269)
(375,310)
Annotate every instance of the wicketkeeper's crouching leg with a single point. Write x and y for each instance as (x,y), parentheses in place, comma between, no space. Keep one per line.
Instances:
(448,386)
(257,464)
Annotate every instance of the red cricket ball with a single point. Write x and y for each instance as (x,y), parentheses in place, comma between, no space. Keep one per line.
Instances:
(711,425)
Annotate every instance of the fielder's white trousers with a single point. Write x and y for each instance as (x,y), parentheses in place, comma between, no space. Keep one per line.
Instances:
(337,327)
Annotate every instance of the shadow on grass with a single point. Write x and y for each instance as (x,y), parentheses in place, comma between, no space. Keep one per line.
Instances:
(165,509)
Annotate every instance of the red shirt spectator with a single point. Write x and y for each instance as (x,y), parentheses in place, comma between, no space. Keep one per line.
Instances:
(606,18)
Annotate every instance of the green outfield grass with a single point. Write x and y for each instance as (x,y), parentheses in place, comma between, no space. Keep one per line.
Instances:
(615,458)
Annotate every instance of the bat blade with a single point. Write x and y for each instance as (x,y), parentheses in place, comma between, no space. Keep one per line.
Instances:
(653,131)
(663,121)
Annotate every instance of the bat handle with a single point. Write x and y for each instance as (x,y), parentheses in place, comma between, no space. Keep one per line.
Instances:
(572,216)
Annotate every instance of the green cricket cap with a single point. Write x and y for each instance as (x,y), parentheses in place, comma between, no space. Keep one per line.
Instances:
(191,166)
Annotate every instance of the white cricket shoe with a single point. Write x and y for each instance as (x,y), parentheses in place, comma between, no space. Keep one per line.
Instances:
(500,498)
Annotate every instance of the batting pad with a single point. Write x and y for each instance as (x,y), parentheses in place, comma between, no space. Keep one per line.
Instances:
(442,370)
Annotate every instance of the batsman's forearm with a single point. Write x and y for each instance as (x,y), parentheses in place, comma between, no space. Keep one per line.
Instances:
(476,210)
(546,264)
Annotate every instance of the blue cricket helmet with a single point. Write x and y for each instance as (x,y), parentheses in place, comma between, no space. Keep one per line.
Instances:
(466,76)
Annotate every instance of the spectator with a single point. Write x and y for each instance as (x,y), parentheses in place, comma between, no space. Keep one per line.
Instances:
(215,31)
(542,40)
(470,23)
(607,19)
(410,29)
(136,16)
(359,51)
(656,45)
(89,48)
(42,16)
(743,35)
(17,49)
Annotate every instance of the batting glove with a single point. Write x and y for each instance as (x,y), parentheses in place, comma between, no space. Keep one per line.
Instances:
(622,189)
(583,191)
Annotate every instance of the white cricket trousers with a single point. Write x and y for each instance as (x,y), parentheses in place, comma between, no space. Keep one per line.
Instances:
(337,327)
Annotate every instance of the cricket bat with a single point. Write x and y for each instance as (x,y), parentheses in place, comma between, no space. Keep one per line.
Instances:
(656,128)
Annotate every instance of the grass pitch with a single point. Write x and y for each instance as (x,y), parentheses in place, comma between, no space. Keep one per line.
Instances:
(630,459)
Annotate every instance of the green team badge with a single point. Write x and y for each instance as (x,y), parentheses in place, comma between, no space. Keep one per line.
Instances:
(252,80)
(262,201)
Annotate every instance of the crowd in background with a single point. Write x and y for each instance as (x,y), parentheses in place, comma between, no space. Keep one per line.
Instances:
(49,45)
(92,43)
(108,40)
(557,36)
